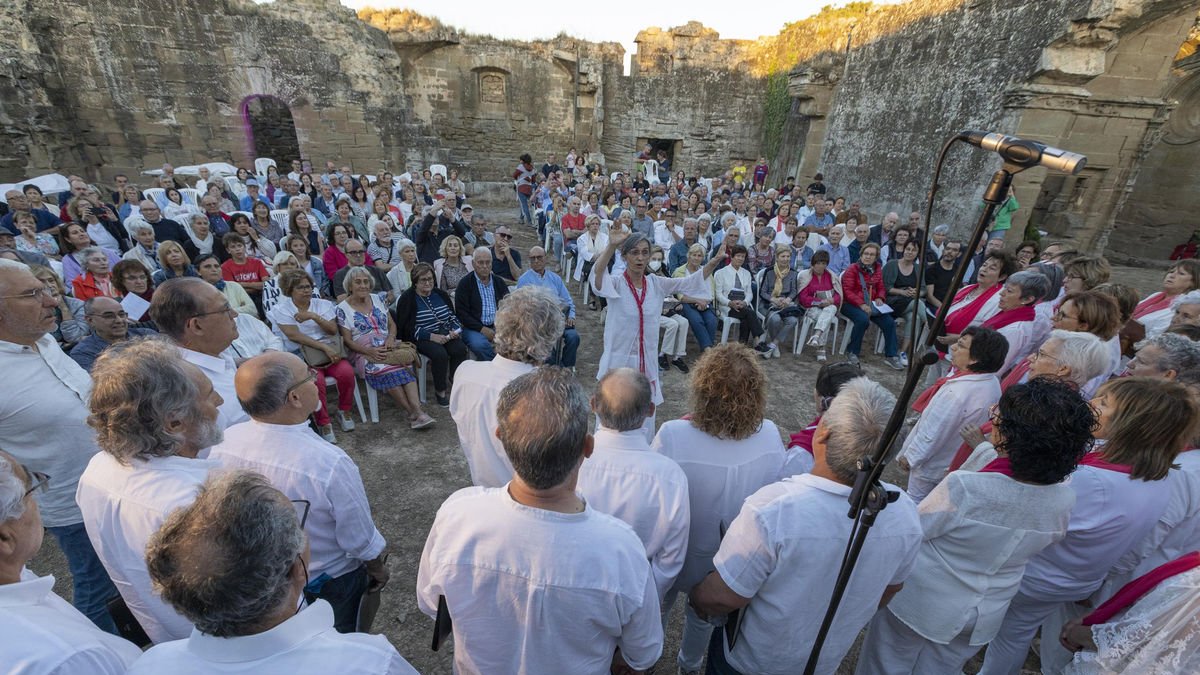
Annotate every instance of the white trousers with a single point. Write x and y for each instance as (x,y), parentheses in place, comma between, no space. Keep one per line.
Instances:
(696,633)
(824,317)
(1007,652)
(892,648)
(674,340)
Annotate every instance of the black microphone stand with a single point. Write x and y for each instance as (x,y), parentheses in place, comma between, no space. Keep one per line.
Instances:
(868,496)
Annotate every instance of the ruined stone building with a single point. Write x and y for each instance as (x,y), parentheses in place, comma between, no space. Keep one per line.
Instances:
(865,94)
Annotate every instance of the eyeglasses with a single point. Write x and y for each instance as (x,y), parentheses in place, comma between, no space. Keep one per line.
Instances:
(1060,316)
(37,481)
(109,316)
(355,252)
(537,257)
(230,311)
(303,506)
(35,294)
(504,235)
(1041,354)
(312,376)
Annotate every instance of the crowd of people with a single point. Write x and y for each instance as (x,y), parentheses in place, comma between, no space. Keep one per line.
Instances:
(169,351)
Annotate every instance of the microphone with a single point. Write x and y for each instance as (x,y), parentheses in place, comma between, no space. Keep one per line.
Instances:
(1025,153)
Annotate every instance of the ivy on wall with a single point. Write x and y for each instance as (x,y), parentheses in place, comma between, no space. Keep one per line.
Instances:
(777,106)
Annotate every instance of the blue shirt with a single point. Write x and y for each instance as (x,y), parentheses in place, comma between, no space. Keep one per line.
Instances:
(839,258)
(801,259)
(823,222)
(487,298)
(247,202)
(554,283)
(89,348)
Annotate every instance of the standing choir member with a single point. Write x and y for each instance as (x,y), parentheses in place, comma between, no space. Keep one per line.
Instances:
(1016,320)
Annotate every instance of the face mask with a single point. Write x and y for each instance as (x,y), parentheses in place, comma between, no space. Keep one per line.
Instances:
(655,265)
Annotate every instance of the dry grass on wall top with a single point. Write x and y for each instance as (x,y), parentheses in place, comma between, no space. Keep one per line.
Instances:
(405,20)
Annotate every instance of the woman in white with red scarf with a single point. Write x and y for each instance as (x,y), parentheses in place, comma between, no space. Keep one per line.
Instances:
(635,301)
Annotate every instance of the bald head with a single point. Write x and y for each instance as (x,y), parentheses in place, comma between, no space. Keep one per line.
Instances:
(271,387)
(623,400)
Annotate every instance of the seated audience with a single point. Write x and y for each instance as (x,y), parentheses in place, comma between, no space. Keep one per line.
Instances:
(305,321)
(506,261)
(425,315)
(866,303)
(153,413)
(356,255)
(698,311)
(309,264)
(173,262)
(96,280)
(279,392)
(777,300)
(735,298)
(76,240)
(30,240)
(901,282)
(475,302)
(165,229)
(208,266)
(369,333)
(453,265)
(623,478)
(503,619)
(145,248)
(820,294)
(784,548)
(110,324)
(727,450)
(255,245)
(242,538)
(249,273)
(202,240)
(42,633)
(537,275)
(529,324)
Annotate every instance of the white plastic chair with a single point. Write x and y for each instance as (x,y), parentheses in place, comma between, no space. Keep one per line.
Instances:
(807,324)
(280,218)
(372,401)
(261,164)
(436,169)
(422,367)
(190,196)
(329,381)
(235,186)
(158,195)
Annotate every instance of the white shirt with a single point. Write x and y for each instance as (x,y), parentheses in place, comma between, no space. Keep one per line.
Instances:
(783,552)
(1020,336)
(477,386)
(302,465)
(726,279)
(102,238)
(43,421)
(721,474)
(305,643)
(931,444)
(980,530)
(536,591)
(45,635)
(649,492)
(284,314)
(589,247)
(621,346)
(662,234)
(254,338)
(1111,514)
(123,506)
(220,371)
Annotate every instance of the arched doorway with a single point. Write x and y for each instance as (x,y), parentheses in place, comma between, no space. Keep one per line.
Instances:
(270,129)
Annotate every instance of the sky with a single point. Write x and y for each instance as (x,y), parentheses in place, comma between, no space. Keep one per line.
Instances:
(606,20)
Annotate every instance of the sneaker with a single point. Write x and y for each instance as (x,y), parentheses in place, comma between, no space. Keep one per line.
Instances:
(766,353)
(345,420)
(821,356)
(442,400)
(679,363)
(762,347)
(893,362)
(663,362)
(421,422)
(904,359)
(815,339)
(852,359)
(327,433)
(774,350)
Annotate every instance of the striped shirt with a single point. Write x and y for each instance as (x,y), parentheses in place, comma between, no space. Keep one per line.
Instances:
(434,316)
(487,298)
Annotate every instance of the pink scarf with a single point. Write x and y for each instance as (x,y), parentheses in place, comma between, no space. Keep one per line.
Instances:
(1015,375)
(1011,316)
(998,465)
(1134,590)
(926,396)
(804,438)
(1155,303)
(1094,459)
(958,321)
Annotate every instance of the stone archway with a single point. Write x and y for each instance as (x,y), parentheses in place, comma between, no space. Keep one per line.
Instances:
(270,129)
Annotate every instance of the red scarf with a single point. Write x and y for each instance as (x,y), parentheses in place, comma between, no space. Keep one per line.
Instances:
(1015,375)
(1011,316)
(803,439)
(1094,459)
(926,396)
(998,465)
(964,450)
(1155,303)
(958,320)
(640,300)
(1134,590)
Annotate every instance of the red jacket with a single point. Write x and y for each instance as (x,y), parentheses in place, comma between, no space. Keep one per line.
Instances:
(852,284)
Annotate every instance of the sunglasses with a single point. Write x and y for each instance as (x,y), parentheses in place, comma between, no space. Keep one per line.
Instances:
(504,235)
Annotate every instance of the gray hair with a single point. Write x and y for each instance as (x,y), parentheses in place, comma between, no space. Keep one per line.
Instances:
(1189,298)
(224,561)
(542,420)
(940,229)
(138,225)
(12,492)
(354,273)
(284,256)
(91,251)
(529,323)
(623,399)
(270,391)
(855,420)
(1054,273)
(1029,284)
(632,241)
(139,387)
(175,303)
(1085,354)
(1176,352)
(728,218)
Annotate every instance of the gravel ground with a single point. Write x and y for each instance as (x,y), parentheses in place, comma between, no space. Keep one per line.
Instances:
(408,474)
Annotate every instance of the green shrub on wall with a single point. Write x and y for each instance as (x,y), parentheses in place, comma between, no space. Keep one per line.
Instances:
(777,104)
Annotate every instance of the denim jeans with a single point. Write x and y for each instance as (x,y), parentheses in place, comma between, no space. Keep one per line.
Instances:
(479,345)
(570,348)
(526,216)
(344,594)
(704,325)
(860,320)
(91,587)
(717,665)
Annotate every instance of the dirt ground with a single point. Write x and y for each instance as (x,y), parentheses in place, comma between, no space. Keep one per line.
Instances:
(408,474)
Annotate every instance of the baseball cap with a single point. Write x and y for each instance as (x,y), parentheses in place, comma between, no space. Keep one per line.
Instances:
(251,181)
(467,207)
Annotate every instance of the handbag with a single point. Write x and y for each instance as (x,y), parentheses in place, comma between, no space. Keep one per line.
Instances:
(403,354)
(317,358)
